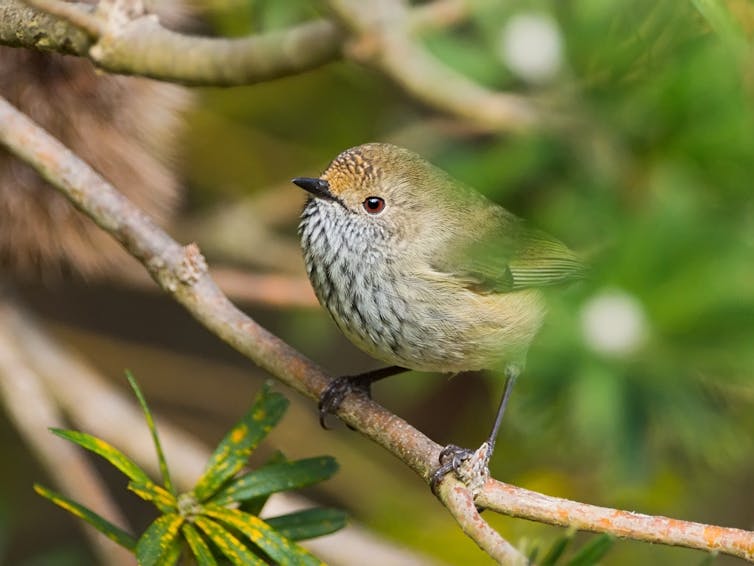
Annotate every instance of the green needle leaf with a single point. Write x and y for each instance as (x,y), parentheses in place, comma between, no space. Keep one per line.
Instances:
(557,549)
(277,477)
(233,452)
(199,548)
(157,545)
(164,472)
(262,535)
(592,552)
(107,451)
(723,22)
(229,545)
(309,523)
(98,522)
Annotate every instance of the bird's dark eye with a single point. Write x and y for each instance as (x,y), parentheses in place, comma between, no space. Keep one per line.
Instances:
(374,205)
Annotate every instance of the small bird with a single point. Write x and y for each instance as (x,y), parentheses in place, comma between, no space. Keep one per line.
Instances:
(425,273)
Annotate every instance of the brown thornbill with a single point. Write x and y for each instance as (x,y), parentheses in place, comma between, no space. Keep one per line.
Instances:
(425,273)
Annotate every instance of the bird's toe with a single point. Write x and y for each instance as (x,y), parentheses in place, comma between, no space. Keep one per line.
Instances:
(469,466)
(335,392)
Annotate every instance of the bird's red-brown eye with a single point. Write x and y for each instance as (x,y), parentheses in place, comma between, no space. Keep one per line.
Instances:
(374,205)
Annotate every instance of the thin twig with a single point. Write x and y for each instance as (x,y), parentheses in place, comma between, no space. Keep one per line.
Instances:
(382,37)
(183,273)
(439,14)
(268,290)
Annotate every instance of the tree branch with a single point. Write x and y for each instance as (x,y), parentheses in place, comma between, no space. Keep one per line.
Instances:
(517,502)
(182,272)
(143,47)
(24,26)
(461,504)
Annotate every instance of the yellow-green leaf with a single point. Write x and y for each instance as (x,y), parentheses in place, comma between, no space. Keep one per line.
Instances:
(157,545)
(233,452)
(263,536)
(309,523)
(228,544)
(97,521)
(162,498)
(199,548)
(172,553)
(107,451)
(255,505)
(277,477)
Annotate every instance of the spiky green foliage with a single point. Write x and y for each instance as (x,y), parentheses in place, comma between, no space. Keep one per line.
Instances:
(207,522)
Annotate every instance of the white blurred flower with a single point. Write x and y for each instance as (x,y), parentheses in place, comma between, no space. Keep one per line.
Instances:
(531,47)
(614,323)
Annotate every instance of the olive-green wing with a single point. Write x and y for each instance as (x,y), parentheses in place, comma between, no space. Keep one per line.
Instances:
(540,260)
(509,258)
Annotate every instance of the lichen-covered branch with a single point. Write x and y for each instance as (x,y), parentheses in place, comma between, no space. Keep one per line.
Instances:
(182,272)
(24,26)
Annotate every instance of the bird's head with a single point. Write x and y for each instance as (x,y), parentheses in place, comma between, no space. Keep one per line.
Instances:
(381,183)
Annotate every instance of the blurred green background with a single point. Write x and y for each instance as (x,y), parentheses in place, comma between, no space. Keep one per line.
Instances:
(639,391)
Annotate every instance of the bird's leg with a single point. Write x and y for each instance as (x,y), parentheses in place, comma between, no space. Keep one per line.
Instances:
(471,466)
(338,388)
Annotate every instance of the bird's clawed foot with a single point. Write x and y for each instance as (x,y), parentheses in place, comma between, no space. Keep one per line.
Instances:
(471,467)
(334,394)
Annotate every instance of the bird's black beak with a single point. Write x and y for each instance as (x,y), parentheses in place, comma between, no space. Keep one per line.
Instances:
(318,187)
